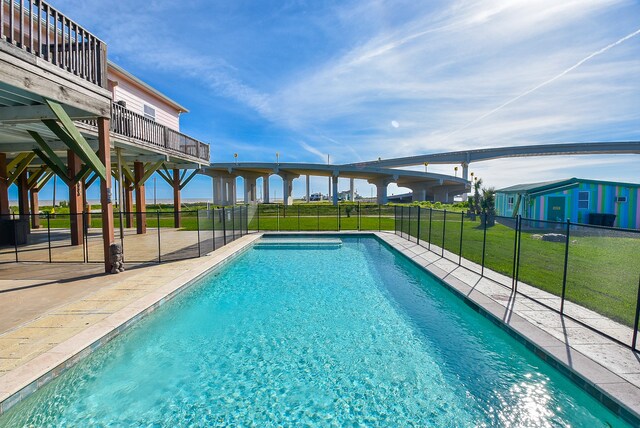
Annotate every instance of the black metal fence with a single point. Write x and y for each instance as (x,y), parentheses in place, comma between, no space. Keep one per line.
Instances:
(321,217)
(591,274)
(145,236)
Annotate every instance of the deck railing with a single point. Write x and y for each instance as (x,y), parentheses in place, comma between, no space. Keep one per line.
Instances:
(36,27)
(134,125)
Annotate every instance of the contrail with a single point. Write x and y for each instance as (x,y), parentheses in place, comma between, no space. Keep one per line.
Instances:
(546,82)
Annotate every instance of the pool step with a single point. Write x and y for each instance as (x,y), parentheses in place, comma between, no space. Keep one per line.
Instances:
(299,243)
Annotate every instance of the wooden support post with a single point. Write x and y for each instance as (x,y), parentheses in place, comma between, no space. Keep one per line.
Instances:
(104,153)
(23,194)
(4,185)
(75,199)
(35,209)
(141,204)
(128,203)
(85,201)
(176,199)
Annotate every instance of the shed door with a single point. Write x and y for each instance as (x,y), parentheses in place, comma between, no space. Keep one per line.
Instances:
(555,208)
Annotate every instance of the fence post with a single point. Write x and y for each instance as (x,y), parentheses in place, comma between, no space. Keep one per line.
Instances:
(240,212)
(429,237)
(518,255)
(484,239)
(158,223)
(461,233)
(409,225)
(634,341)
(258,214)
(515,255)
(401,221)
(85,237)
(339,226)
(198,227)
(359,217)
(233,221)
(318,216)
(246,220)
(277,217)
(566,264)
(298,218)
(224,227)
(49,235)
(444,229)
(418,228)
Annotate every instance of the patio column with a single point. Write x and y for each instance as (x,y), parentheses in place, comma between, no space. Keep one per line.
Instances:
(35,209)
(265,189)
(23,195)
(75,198)
(4,185)
(141,201)
(177,202)
(104,154)
(128,203)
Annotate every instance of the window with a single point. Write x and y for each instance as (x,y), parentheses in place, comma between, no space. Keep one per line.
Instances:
(583,200)
(149,112)
(621,199)
(510,202)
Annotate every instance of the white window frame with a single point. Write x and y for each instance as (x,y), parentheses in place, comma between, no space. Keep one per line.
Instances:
(146,108)
(510,201)
(581,200)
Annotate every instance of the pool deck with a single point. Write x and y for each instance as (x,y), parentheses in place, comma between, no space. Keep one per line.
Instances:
(54,315)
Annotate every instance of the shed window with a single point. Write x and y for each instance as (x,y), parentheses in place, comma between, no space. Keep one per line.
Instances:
(510,202)
(621,199)
(149,112)
(583,200)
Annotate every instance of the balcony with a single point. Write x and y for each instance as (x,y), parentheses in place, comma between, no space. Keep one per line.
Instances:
(146,132)
(41,32)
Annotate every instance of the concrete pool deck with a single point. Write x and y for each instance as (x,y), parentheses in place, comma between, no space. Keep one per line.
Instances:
(67,315)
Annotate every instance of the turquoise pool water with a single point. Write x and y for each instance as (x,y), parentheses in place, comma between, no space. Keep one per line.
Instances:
(354,335)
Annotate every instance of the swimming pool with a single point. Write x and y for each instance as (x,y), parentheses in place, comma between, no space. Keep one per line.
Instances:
(323,335)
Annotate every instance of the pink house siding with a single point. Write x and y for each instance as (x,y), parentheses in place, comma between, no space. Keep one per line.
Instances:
(136,97)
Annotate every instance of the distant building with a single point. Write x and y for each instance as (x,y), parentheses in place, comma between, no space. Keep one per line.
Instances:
(580,200)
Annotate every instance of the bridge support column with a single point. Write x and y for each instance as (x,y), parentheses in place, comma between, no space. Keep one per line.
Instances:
(381,189)
(4,187)
(141,200)
(307,193)
(287,189)
(465,175)
(352,193)
(334,189)
(75,199)
(265,189)
(250,190)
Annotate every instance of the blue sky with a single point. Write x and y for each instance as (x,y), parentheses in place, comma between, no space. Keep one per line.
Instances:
(311,78)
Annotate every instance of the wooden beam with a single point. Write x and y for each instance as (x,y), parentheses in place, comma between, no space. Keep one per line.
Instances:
(127,172)
(4,187)
(84,171)
(51,156)
(106,205)
(35,113)
(43,181)
(35,176)
(90,181)
(149,171)
(165,177)
(77,142)
(21,167)
(189,178)
(53,165)
(15,161)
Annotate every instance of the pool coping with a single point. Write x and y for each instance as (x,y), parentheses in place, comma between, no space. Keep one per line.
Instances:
(603,384)
(26,379)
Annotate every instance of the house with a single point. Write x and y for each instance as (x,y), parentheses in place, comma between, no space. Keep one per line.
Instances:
(580,200)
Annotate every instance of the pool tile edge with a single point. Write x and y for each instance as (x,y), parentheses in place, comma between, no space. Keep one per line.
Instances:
(21,382)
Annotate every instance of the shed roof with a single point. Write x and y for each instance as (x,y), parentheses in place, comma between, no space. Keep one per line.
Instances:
(548,185)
